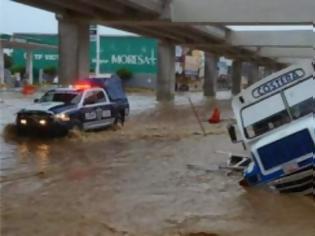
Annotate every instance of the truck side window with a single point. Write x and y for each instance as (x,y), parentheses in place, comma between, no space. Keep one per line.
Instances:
(90,98)
(93,97)
(47,97)
(100,96)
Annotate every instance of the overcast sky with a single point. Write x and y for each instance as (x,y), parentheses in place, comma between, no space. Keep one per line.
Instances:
(16,17)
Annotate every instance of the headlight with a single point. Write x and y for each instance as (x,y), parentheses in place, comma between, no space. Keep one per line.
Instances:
(62,117)
(23,121)
(43,122)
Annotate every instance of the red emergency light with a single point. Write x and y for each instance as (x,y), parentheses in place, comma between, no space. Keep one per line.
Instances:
(82,85)
(87,84)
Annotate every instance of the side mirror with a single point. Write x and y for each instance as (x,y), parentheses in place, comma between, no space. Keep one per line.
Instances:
(234,133)
(36,100)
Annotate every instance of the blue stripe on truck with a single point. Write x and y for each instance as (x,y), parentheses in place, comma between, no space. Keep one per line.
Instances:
(286,149)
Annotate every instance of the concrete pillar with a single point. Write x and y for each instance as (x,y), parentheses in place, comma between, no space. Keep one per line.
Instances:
(83,51)
(253,75)
(267,71)
(73,50)
(211,75)
(40,76)
(29,67)
(261,74)
(276,68)
(236,76)
(166,72)
(1,64)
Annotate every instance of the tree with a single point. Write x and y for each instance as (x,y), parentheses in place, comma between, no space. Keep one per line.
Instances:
(8,62)
(124,73)
(92,69)
(18,69)
(50,71)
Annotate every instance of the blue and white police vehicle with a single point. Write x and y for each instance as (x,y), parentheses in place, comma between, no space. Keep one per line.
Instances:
(275,122)
(89,104)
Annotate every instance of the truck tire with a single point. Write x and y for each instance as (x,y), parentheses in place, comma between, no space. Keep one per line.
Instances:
(77,125)
(122,117)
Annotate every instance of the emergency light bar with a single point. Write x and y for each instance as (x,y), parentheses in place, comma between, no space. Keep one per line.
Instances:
(87,84)
(90,83)
(82,85)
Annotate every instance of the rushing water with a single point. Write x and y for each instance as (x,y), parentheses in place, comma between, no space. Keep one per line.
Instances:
(156,176)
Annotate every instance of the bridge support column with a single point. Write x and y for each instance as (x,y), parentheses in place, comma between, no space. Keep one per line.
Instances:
(211,75)
(274,70)
(267,71)
(29,66)
(236,76)
(73,50)
(1,64)
(166,72)
(253,75)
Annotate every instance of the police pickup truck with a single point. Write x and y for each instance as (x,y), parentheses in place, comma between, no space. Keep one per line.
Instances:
(89,104)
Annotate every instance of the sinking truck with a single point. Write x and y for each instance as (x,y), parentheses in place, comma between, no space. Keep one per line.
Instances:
(275,122)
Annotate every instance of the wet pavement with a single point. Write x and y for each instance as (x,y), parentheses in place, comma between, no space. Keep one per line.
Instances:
(157,175)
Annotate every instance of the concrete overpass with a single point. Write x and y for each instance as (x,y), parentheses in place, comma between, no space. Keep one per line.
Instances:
(243,12)
(182,22)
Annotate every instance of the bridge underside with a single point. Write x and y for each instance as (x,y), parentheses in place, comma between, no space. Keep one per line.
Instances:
(149,18)
(246,12)
(196,24)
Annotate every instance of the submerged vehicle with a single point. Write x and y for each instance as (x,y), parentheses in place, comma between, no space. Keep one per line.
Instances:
(275,123)
(89,104)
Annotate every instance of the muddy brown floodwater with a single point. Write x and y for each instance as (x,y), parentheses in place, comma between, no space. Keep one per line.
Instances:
(156,176)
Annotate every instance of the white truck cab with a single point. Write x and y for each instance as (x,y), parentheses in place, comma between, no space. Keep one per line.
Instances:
(275,119)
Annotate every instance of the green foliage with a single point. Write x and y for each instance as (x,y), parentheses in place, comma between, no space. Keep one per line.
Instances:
(92,69)
(50,70)
(18,69)
(7,61)
(35,76)
(124,73)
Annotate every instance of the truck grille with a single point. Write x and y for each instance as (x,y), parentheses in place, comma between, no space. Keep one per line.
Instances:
(287,149)
(33,117)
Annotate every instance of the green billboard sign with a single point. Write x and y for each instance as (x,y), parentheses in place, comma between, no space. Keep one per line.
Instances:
(42,58)
(137,54)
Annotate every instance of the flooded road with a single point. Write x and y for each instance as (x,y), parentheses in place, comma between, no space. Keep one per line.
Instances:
(157,175)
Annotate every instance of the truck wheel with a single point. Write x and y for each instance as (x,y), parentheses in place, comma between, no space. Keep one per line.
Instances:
(122,117)
(21,131)
(119,118)
(77,126)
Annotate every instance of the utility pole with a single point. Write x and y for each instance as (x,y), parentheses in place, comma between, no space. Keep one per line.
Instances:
(94,37)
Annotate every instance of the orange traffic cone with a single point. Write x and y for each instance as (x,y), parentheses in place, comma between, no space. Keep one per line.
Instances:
(215,117)
(28,89)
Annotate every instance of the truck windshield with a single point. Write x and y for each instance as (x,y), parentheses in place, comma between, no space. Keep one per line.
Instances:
(262,126)
(65,97)
(303,108)
(264,116)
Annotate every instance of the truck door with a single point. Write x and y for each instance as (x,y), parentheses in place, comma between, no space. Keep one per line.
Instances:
(97,111)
